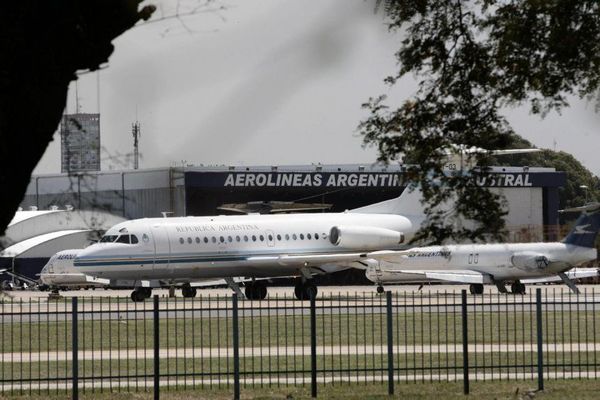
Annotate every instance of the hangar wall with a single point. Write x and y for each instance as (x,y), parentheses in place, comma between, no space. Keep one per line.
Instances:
(532,193)
(525,219)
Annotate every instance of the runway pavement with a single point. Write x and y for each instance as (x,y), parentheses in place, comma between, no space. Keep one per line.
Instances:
(324,291)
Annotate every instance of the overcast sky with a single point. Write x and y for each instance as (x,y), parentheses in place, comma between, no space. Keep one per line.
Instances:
(265,82)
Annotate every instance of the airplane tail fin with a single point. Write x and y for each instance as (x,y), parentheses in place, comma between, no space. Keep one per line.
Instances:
(407,204)
(586,229)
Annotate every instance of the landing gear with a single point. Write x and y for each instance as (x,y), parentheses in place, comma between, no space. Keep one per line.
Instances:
(380,289)
(304,290)
(517,288)
(476,288)
(188,291)
(141,294)
(255,291)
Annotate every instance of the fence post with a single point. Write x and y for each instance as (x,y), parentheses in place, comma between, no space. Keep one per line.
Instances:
(236,349)
(75,348)
(540,341)
(156,351)
(465,340)
(313,345)
(390,343)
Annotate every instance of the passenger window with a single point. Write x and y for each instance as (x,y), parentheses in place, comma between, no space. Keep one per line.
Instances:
(134,239)
(214,239)
(229,239)
(287,237)
(476,260)
(317,236)
(294,236)
(237,238)
(205,239)
(262,238)
(181,240)
(222,239)
(308,236)
(471,258)
(301,236)
(270,238)
(197,240)
(279,237)
(189,240)
(253,238)
(245,238)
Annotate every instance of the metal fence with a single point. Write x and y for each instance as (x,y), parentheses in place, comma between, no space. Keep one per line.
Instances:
(85,344)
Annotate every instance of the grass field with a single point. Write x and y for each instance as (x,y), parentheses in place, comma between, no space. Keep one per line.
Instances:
(526,390)
(294,330)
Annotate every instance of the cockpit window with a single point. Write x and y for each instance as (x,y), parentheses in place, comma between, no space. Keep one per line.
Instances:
(127,239)
(108,238)
(123,239)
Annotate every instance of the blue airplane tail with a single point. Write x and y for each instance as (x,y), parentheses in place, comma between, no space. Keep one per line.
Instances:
(585,231)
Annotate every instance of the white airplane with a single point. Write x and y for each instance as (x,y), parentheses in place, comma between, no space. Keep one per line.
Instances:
(154,252)
(478,264)
(59,272)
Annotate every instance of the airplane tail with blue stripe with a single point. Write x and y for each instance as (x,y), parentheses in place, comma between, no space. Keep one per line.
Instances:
(585,231)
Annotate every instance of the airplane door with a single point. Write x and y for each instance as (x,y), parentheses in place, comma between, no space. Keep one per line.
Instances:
(162,246)
(270,238)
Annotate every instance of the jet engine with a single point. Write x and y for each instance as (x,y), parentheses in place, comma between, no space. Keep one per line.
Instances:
(363,238)
(529,260)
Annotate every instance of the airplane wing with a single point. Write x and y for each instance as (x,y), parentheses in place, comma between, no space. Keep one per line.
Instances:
(508,151)
(311,259)
(388,255)
(575,273)
(454,276)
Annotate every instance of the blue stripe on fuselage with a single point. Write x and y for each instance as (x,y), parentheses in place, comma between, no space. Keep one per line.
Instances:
(163,259)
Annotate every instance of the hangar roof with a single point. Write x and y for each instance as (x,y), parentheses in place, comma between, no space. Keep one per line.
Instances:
(25,246)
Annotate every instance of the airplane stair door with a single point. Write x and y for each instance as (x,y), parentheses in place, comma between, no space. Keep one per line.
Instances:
(162,247)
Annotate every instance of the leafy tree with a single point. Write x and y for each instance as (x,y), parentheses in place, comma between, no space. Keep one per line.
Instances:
(572,194)
(472,58)
(43,44)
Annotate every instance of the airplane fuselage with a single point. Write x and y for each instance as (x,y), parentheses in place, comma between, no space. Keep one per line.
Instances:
(500,261)
(194,248)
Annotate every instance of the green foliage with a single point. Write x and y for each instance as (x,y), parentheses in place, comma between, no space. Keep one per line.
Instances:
(572,194)
(472,58)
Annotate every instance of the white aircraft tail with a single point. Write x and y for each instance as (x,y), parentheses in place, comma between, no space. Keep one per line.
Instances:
(407,204)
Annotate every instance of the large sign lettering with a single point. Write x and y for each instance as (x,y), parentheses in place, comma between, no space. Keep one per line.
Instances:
(350,179)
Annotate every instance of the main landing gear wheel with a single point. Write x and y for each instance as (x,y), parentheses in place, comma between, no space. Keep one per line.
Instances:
(304,290)
(255,291)
(380,289)
(188,291)
(517,288)
(476,288)
(141,294)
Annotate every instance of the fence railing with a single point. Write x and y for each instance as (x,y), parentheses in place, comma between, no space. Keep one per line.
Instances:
(95,344)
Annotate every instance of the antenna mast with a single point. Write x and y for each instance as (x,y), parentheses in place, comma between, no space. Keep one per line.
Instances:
(135,131)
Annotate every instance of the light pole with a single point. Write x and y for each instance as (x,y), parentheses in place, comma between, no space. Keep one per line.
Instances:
(585,188)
